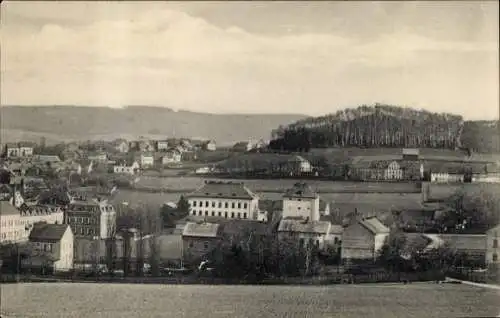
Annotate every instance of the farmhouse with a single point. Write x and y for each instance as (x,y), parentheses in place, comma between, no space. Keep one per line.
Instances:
(230,200)
(305,231)
(146,160)
(51,247)
(198,240)
(445,172)
(363,239)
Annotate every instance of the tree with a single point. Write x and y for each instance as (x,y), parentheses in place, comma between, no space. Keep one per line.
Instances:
(390,255)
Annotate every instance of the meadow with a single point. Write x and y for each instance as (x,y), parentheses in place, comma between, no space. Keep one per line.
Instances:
(124,300)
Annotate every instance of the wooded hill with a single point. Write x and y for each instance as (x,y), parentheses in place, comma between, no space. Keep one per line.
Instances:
(387,126)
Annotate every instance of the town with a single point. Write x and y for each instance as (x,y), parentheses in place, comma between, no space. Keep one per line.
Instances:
(187,209)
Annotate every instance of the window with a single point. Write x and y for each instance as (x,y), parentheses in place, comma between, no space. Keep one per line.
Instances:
(205,245)
(213,204)
(225,215)
(244,215)
(194,203)
(226,205)
(206,213)
(239,205)
(220,213)
(213,213)
(245,205)
(220,205)
(190,244)
(194,212)
(206,204)
(301,242)
(46,247)
(495,243)
(232,205)
(232,215)
(239,215)
(495,257)
(200,213)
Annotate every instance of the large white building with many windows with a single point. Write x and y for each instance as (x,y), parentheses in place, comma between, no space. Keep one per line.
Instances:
(228,200)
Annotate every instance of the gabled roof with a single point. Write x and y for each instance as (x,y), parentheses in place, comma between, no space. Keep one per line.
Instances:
(300,190)
(209,230)
(8,209)
(47,232)
(47,158)
(464,241)
(300,226)
(227,190)
(374,225)
(235,227)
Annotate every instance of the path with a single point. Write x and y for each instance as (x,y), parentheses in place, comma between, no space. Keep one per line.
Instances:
(490,286)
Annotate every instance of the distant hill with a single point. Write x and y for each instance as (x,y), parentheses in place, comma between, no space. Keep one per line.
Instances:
(61,123)
(388,126)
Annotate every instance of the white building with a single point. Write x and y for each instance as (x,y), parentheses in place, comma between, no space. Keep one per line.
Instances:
(229,200)
(126,167)
(172,156)
(301,202)
(146,160)
(51,245)
(22,149)
(393,171)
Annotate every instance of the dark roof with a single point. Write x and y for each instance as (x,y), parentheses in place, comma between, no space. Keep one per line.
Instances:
(228,190)
(300,226)
(300,190)
(235,227)
(47,232)
(374,225)
(202,229)
(465,242)
(8,209)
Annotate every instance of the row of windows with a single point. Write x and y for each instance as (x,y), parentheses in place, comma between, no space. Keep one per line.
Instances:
(205,245)
(239,205)
(85,208)
(21,222)
(85,231)
(233,214)
(81,220)
(11,235)
(46,247)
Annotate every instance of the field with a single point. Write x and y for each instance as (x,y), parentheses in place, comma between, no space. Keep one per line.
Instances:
(278,185)
(119,300)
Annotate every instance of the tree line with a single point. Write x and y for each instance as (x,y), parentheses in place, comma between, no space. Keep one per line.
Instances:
(385,126)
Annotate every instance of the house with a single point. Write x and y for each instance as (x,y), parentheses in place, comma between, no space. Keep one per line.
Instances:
(30,214)
(162,145)
(445,172)
(47,159)
(243,146)
(304,231)
(146,160)
(172,155)
(51,247)
(492,246)
(199,240)
(130,167)
(10,221)
(98,157)
(472,245)
(91,218)
(393,171)
(301,201)
(230,200)
(209,145)
(363,239)
(121,145)
(411,154)
(142,145)
(21,149)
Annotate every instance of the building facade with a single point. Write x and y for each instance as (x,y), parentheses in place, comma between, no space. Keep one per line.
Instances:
(301,202)
(363,239)
(91,218)
(124,168)
(146,160)
(198,240)
(229,200)
(51,245)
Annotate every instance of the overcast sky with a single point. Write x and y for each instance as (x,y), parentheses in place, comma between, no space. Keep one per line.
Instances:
(310,58)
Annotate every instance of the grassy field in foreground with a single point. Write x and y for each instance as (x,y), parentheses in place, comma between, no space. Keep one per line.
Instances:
(118,300)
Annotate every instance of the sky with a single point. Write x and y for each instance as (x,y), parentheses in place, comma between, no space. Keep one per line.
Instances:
(307,58)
